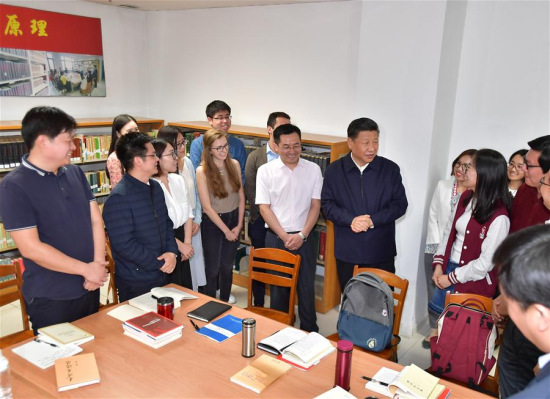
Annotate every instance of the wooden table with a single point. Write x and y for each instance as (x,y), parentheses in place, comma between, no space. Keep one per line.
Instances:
(191,367)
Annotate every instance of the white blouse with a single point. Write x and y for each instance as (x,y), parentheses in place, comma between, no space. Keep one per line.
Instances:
(179,209)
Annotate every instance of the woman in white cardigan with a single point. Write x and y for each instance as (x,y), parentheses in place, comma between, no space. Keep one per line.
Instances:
(446,194)
(185,169)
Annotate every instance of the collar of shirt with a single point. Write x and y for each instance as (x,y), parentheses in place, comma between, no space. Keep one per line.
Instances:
(135,182)
(280,164)
(25,162)
(544,360)
(271,155)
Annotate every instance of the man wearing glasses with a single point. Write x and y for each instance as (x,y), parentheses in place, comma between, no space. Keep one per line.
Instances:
(219,117)
(518,356)
(135,214)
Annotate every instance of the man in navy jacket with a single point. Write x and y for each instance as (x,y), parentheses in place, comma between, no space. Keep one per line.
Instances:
(524,275)
(136,218)
(363,196)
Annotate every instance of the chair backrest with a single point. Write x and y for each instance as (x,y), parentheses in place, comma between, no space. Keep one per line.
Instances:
(274,260)
(111,289)
(11,283)
(397,283)
(473,300)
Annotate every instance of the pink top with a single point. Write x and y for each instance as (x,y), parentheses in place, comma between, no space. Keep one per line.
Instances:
(115,169)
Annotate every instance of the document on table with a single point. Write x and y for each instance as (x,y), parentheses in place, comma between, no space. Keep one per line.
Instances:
(384,375)
(222,329)
(44,355)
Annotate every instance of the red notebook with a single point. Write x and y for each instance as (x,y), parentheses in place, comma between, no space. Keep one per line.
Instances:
(153,325)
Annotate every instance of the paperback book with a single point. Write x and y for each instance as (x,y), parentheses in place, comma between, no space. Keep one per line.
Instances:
(261,373)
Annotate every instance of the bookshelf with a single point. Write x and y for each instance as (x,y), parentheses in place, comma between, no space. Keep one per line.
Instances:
(23,73)
(100,128)
(327,288)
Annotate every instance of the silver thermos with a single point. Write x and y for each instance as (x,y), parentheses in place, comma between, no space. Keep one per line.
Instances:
(249,337)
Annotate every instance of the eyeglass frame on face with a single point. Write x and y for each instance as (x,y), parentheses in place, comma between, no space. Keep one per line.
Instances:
(527,166)
(295,147)
(181,143)
(517,167)
(149,155)
(542,183)
(221,148)
(222,118)
(174,155)
(466,167)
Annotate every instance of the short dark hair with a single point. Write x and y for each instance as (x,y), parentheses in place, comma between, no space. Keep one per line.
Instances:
(469,152)
(215,107)
(272,119)
(521,152)
(129,146)
(285,129)
(50,121)
(170,135)
(524,266)
(544,159)
(361,125)
(539,143)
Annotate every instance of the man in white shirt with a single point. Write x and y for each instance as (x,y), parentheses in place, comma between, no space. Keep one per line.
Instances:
(288,191)
(524,275)
(256,224)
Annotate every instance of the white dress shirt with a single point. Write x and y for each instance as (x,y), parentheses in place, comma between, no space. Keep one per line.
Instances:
(179,209)
(289,191)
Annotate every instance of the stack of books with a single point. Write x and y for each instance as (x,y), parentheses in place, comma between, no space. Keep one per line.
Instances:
(152,329)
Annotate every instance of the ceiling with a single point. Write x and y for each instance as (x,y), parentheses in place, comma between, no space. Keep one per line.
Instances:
(166,5)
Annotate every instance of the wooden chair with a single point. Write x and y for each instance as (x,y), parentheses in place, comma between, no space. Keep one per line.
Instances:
(400,287)
(490,383)
(10,291)
(287,263)
(111,289)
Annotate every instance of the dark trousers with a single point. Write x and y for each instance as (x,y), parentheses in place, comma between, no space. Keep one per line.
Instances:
(257,232)
(131,289)
(345,269)
(219,254)
(44,312)
(182,273)
(306,284)
(516,360)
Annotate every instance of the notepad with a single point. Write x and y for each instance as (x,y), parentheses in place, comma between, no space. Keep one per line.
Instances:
(222,329)
(43,355)
(66,333)
(209,311)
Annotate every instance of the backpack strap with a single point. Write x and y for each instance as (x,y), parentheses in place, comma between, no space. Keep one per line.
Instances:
(446,346)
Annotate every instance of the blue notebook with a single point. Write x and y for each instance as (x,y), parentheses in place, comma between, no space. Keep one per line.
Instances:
(222,329)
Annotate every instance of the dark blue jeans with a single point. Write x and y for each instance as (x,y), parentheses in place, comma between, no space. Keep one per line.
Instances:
(437,301)
(219,254)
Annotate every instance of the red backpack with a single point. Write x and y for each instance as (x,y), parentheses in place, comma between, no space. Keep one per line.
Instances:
(463,349)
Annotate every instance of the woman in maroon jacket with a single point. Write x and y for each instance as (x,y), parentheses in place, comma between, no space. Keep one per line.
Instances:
(463,260)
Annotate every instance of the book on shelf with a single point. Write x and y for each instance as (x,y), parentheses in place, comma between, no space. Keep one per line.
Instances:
(261,373)
(223,328)
(410,383)
(303,353)
(6,241)
(148,301)
(66,333)
(153,326)
(76,371)
(209,311)
(322,243)
(12,149)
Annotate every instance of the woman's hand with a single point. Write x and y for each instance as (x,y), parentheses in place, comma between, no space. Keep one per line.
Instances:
(196,228)
(237,229)
(231,236)
(186,250)
(443,281)
(438,271)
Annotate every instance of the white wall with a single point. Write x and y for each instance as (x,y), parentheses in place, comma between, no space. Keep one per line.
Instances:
(125,53)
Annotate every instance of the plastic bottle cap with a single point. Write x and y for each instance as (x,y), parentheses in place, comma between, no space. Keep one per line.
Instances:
(345,346)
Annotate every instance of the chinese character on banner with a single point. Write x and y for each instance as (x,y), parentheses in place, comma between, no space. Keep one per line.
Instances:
(12,27)
(39,26)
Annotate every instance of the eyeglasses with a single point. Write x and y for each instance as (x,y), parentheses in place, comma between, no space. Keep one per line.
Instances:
(132,131)
(173,154)
(222,118)
(150,155)
(465,167)
(531,166)
(182,143)
(543,183)
(295,147)
(512,165)
(221,148)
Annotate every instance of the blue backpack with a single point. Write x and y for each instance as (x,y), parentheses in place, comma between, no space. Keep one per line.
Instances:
(366,314)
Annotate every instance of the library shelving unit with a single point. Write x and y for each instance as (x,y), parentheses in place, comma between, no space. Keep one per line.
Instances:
(10,132)
(23,73)
(327,288)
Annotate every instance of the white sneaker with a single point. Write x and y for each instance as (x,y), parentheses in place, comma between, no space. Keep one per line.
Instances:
(231,300)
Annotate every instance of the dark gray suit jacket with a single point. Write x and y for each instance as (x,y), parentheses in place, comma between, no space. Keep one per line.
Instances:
(255,159)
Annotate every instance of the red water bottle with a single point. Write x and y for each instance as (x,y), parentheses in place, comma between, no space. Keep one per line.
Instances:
(343,364)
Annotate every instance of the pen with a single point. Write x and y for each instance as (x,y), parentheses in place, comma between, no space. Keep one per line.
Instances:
(194,325)
(44,342)
(154,297)
(376,381)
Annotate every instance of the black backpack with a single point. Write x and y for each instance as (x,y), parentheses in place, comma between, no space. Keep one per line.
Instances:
(366,314)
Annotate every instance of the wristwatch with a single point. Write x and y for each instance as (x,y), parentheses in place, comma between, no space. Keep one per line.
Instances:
(303,237)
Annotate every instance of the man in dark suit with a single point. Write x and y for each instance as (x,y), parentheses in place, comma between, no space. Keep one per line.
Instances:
(256,224)
(524,275)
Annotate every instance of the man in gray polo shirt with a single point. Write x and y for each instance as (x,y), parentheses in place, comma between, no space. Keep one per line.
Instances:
(47,206)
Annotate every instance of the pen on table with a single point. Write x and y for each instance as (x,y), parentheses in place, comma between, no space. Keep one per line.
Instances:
(44,342)
(375,381)
(194,325)
(154,297)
